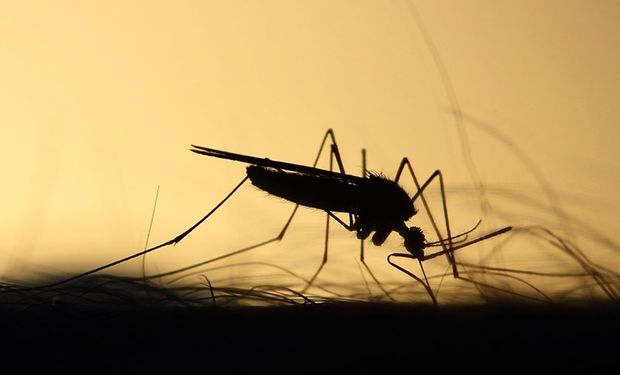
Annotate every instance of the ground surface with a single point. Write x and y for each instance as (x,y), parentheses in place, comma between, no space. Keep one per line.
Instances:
(326,338)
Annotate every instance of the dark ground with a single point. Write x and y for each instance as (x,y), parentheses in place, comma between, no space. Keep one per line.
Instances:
(326,338)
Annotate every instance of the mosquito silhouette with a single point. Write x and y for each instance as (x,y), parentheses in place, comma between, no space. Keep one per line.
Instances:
(374,203)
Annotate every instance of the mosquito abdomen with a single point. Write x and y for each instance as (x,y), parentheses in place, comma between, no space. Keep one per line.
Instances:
(324,193)
(379,201)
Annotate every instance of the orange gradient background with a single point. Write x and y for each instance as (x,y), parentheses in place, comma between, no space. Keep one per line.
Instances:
(100,101)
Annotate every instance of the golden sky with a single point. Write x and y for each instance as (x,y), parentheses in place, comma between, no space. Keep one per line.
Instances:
(99,102)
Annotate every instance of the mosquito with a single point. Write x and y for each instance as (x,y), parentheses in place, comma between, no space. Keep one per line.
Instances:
(375,204)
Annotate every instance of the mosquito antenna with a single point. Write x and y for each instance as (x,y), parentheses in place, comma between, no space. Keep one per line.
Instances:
(442,241)
(482,238)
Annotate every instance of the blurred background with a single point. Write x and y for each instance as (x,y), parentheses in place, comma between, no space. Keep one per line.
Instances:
(514,101)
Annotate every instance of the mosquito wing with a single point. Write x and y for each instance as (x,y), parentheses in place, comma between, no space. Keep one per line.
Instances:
(265,162)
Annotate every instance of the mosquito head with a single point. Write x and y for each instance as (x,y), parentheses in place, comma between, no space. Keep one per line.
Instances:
(414,241)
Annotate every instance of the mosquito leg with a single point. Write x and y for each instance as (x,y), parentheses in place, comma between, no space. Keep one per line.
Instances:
(328,134)
(424,282)
(173,241)
(364,175)
(180,237)
(333,154)
(364,171)
(420,193)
